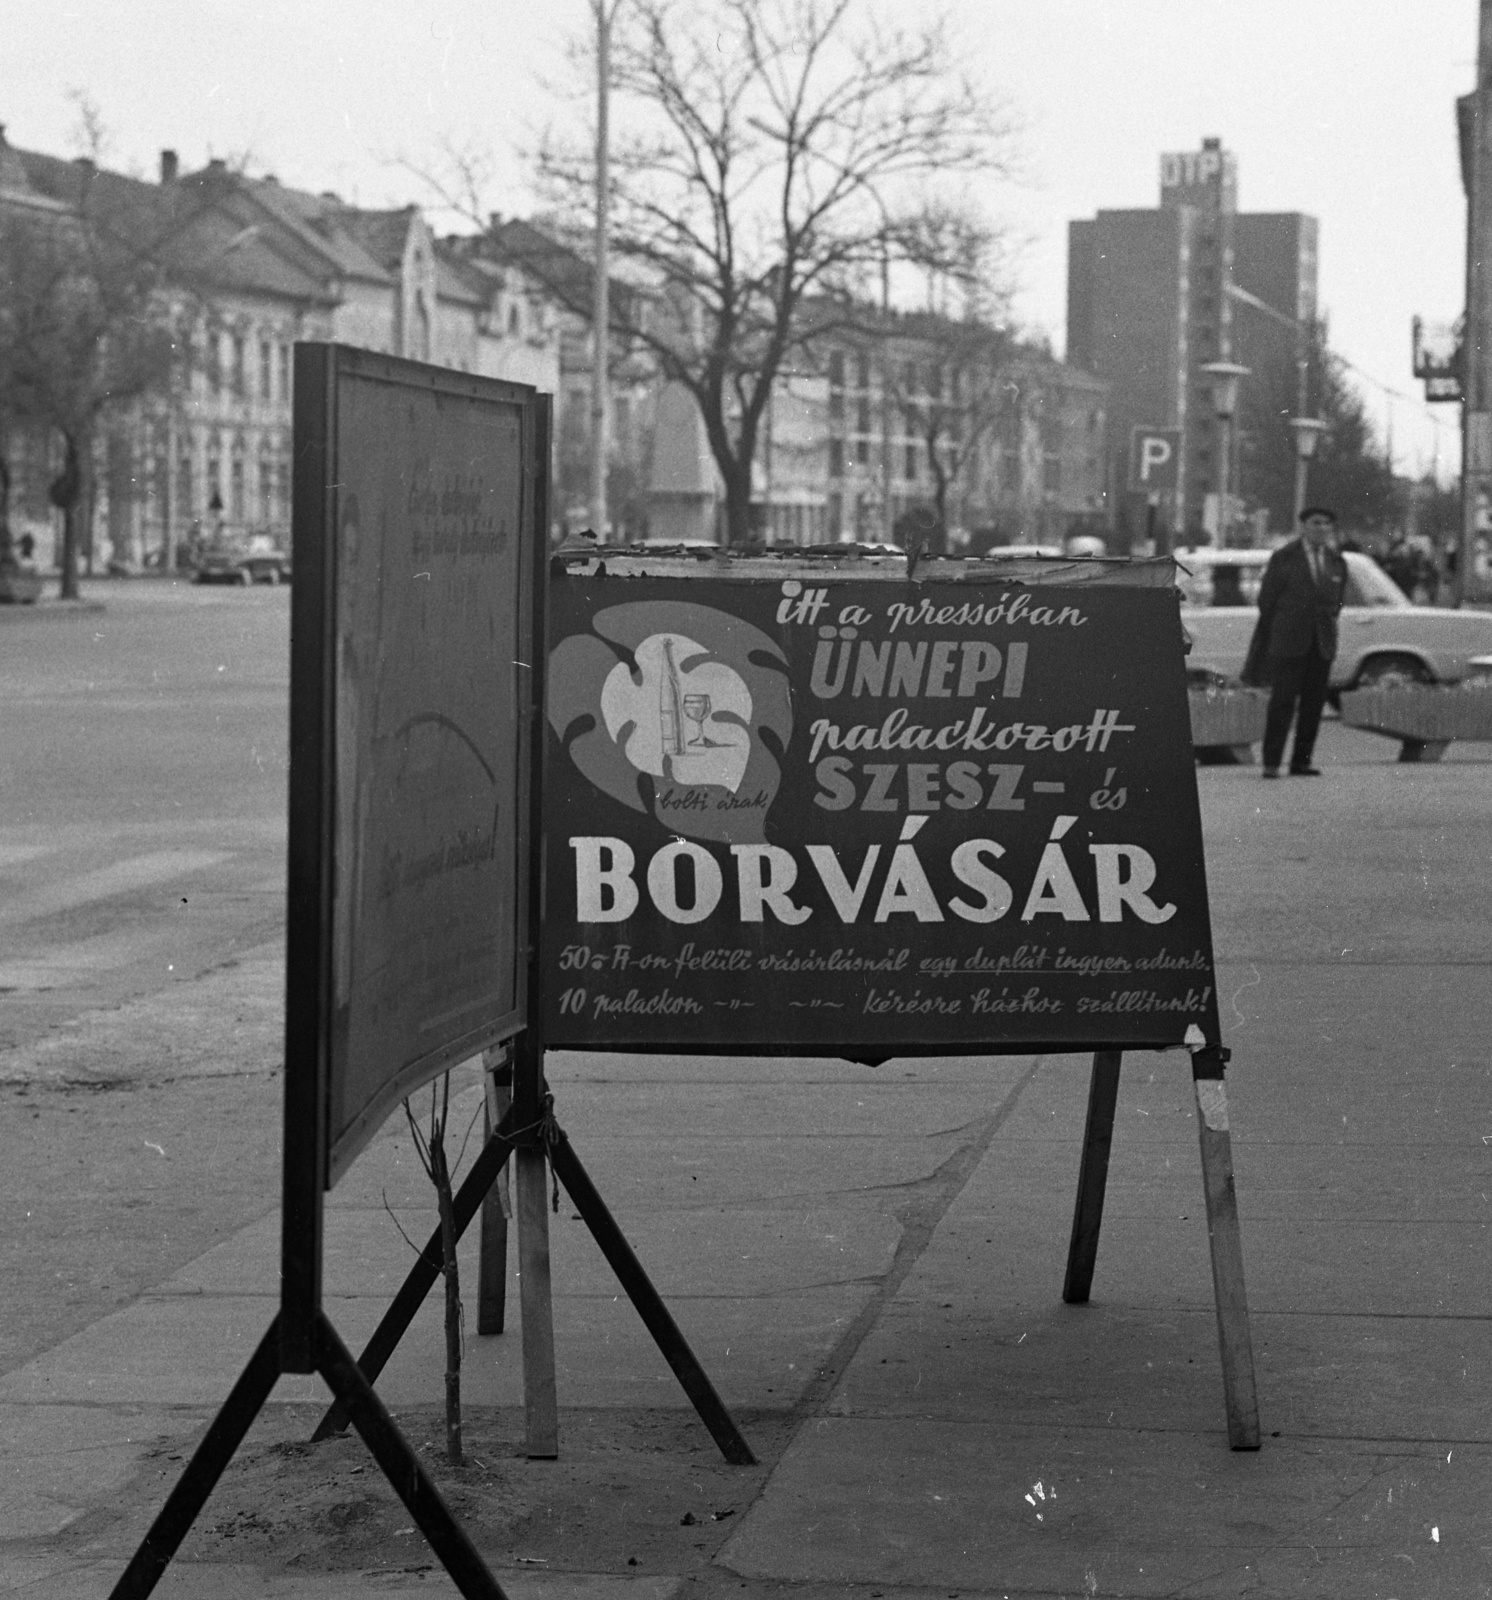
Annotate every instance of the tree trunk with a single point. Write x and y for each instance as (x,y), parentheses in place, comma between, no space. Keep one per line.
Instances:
(740,533)
(66,494)
(8,561)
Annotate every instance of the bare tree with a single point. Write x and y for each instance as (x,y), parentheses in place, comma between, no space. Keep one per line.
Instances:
(951,399)
(770,154)
(89,322)
(430,1147)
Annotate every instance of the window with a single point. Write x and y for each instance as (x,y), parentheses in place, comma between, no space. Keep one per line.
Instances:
(862,451)
(836,458)
(235,498)
(513,321)
(862,415)
(836,405)
(864,372)
(836,368)
(238,364)
(285,372)
(1052,475)
(836,515)
(266,371)
(911,471)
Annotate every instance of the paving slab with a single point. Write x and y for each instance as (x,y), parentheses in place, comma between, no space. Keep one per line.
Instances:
(989,1508)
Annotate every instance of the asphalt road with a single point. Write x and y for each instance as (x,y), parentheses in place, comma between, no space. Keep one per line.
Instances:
(142,794)
(143,765)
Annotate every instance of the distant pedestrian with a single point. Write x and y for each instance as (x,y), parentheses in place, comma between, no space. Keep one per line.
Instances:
(1295,641)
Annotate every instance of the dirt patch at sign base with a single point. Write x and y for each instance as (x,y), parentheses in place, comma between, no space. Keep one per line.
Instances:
(634,1492)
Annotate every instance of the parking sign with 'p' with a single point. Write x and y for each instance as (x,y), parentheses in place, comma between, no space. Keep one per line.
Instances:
(1154,458)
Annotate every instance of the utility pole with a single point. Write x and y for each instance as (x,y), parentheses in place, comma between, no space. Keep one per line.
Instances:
(601,288)
(887,519)
(1476,410)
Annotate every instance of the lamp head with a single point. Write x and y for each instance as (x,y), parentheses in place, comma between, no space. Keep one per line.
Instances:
(1307,431)
(1225,376)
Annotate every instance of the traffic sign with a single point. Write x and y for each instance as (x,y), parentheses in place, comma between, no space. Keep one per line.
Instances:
(1154,458)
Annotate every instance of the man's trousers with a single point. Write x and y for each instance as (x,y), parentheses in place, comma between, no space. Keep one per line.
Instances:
(1297,688)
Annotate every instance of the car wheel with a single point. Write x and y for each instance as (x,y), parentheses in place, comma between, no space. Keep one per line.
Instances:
(1386,672)
(245,577)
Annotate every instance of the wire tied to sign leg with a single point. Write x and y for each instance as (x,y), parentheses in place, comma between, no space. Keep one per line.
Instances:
(550,1134)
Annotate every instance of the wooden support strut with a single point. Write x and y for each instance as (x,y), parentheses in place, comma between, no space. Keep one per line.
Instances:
(533,1108)
(1224,1240)
(492,1259)
(1234,1344)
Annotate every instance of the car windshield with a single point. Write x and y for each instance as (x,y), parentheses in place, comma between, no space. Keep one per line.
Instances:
(1369,585)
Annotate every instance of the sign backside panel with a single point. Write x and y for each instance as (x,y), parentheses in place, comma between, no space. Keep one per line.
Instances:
(428,733)
(411,631)
(869,819)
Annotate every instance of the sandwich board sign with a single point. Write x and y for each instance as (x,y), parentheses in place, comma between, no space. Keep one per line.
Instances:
(825,815)
(866,819)
(420,531)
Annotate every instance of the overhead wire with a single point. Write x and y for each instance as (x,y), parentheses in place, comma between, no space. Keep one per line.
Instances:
(1236,293)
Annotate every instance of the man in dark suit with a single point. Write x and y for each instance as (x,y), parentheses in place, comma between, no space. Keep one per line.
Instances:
(1300,599)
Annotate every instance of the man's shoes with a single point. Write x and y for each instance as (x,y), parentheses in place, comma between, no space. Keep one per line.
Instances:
(1305,772)
(1270,772)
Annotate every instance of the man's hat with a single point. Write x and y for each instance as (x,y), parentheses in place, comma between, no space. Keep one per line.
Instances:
(1319,511)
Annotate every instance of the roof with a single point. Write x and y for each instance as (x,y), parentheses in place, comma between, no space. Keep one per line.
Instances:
(557,266)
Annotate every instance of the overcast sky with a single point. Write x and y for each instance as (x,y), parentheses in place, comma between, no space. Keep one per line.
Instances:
(1340,108)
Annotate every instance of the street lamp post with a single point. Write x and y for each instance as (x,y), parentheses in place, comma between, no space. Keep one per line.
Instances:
(1225,376)
(1307,431)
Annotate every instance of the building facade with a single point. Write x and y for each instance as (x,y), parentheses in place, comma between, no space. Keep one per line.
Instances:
(997,442)
(1154,296)
(259,266)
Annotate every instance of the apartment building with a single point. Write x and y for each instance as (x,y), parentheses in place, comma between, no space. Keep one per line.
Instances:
(1153,297)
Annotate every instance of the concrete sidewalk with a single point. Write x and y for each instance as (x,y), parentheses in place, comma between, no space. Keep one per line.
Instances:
(877,1256)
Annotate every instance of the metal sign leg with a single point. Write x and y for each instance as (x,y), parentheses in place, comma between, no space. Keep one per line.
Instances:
(1093,1176)
(401,1466)
(244,1403)
(649,1304)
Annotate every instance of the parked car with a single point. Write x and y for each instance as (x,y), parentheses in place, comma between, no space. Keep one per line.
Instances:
(1383,636)
(1020,552)
(233,564)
